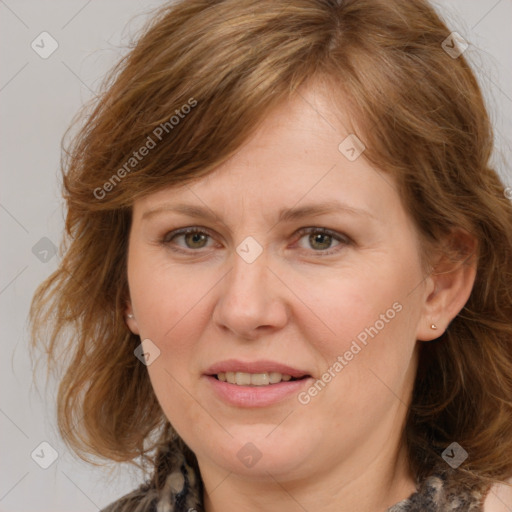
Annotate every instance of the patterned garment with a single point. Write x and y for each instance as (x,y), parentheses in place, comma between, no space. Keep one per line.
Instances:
(438,494)
(182,491)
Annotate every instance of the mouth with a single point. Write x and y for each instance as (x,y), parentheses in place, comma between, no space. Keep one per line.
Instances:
(256,379)
(252,384)
(254,373)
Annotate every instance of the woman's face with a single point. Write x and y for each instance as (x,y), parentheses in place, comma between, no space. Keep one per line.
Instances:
(304,264)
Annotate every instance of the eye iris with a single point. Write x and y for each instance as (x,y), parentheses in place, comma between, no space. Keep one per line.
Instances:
(313,238)
(195,237)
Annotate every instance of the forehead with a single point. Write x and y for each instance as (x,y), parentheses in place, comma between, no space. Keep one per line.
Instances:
(296,158)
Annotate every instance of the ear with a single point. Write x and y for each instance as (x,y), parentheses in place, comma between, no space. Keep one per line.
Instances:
(449,285)
(130,319)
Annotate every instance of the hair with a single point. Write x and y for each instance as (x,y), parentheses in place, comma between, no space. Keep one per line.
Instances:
(224,65)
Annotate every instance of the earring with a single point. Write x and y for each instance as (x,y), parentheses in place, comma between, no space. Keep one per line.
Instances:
(129,315)
(433,326)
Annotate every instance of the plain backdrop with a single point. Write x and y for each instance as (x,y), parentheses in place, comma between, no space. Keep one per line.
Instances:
(38,98)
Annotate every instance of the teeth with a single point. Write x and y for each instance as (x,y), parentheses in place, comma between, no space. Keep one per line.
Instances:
(253,379)
(243,379)
(274,377)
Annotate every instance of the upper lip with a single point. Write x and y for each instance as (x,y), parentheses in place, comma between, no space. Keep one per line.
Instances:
(260,366)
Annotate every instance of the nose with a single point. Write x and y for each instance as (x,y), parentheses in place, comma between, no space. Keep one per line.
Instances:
(252,299)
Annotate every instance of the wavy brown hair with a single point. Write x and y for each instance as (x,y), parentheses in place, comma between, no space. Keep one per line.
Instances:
(422,118)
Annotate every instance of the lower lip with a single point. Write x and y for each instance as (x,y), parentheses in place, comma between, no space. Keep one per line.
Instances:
(256,396)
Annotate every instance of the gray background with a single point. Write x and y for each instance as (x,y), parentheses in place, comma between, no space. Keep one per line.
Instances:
(38,98)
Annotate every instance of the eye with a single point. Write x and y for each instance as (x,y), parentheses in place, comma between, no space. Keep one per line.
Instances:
(195,238)
(321,239)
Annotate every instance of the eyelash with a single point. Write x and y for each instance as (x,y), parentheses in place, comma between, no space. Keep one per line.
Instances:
(343,239)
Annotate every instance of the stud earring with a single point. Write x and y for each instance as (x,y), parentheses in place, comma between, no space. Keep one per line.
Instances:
(129,315)
(433,326)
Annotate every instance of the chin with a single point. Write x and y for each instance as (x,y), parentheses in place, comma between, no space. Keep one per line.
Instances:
(253,452)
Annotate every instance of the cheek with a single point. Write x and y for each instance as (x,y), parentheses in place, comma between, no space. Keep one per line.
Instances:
(373,359)
(169,306)
(164,296)
(169,311)
(369,302)
(371,316)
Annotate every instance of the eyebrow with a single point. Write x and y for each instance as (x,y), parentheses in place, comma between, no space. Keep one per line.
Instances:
(285,214)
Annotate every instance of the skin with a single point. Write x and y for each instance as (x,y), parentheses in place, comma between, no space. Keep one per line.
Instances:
(343,451)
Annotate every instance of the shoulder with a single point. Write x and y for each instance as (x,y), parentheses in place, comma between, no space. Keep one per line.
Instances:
(499,498)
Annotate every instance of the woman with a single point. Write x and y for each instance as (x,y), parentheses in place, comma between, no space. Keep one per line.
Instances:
(287,278)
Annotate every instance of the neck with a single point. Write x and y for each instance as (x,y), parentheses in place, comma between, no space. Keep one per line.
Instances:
(375,487)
